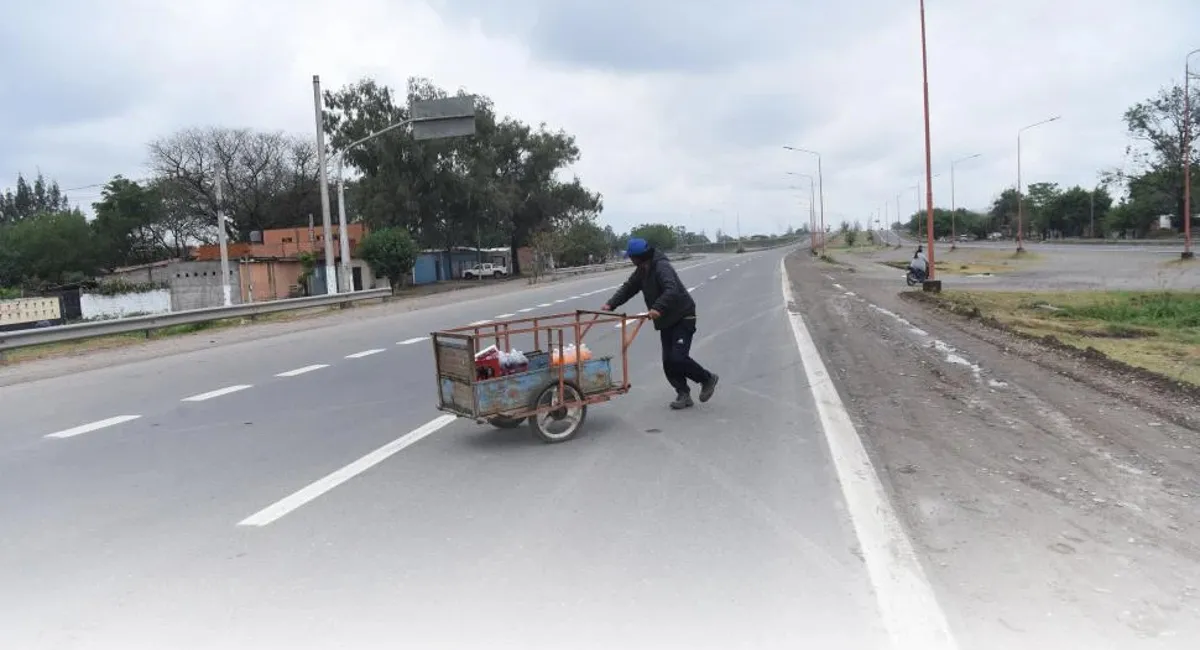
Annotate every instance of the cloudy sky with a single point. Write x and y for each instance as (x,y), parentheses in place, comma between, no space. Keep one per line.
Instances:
(681,108)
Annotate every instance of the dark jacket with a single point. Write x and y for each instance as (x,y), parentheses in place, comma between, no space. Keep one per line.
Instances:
(663,290)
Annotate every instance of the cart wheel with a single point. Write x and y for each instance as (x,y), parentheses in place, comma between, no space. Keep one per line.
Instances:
(561,424)
(505,422)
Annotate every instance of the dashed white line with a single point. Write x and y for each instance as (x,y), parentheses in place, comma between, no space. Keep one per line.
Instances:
(526,310)
(364,353)
(92,426)
(573,298)
(691,289)
(216,393)
(907,603)
(503,316)
(712,277)
(315,489)
(480,322)
(727,270)
(545,304)
(560,301)
(301,371)
(415,339)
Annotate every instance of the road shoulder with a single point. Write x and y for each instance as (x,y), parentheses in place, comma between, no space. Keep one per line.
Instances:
(1047,511)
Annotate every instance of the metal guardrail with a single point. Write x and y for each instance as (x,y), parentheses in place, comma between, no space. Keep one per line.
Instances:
(79,331)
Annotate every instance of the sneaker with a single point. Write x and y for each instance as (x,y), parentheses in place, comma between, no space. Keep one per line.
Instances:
(709,387)
(682,401)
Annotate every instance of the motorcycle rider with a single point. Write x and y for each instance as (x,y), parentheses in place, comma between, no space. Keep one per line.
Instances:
(919,265)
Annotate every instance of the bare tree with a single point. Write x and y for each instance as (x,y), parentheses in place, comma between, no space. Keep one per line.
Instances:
(269,179)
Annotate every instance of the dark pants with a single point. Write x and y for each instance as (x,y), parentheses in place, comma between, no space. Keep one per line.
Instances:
(677,361)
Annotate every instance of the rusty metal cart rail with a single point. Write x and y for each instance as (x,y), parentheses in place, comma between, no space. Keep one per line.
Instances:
(553,397)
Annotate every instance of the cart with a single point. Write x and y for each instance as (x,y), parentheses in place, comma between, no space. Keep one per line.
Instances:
(552,397)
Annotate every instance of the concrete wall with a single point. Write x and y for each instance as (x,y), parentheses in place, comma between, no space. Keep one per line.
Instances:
(94,305)
(196,285)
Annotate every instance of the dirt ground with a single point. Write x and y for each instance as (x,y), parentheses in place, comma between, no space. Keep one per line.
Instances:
(1051,513)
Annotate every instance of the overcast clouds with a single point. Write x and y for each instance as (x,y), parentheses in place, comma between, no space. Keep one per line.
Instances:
(681,108)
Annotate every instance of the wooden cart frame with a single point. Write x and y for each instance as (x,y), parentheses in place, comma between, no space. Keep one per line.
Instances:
(553,398)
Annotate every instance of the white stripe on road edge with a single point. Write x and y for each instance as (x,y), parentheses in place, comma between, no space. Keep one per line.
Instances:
(315,489)
(364,353)
(216,393)
(301,371)
(503,316)
(416,339)
(92,426)
(907,604)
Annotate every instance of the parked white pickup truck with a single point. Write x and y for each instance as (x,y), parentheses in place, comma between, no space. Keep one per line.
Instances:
(485,271)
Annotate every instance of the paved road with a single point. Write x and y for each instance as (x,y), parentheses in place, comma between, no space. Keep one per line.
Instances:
(719,527)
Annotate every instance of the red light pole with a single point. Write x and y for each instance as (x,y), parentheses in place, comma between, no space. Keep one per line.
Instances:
(932,284)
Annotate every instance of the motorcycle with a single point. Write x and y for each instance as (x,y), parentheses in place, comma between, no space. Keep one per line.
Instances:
(914,278)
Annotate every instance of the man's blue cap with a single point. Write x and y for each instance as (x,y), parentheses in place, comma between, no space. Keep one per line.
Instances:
(636,247)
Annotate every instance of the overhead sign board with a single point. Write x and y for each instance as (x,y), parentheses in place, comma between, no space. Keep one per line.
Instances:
(443,118)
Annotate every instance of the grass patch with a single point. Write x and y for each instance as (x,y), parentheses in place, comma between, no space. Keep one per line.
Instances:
(1157,331)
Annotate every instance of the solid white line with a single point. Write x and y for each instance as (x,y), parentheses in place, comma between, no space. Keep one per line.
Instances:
(907,603)
(216,393)
(301,371)
(92,426)
(364,353)
(315,489)
(416,339)
(503,316)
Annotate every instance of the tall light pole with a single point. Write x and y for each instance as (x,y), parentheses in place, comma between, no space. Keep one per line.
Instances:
(820,185)
(1020,189)
(330,274)
(1187,156)
(812,210)
(953,204)
(932,283)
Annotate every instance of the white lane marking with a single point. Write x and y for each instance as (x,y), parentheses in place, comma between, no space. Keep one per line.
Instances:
(415,339)
(727,270)
(691,289)
(526,310)
(503,316)
(91,426)
(573,298)
(216,393)
(907,604)
(712,277)
(560,301)
(628,322)
(301,371)
(546,304)
(364,353)
(480,322)
(315,489)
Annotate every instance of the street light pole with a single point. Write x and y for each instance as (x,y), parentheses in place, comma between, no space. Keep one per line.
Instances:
(812,210)
(953,203)
(330,274)
(932,284)
(1187,156)
(1020,198)
(821,186)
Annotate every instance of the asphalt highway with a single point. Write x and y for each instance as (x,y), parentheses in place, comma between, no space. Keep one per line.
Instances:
(303,492)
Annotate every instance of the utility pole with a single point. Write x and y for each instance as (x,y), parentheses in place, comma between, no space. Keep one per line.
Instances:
(346,282)
(223,239)
(330,273)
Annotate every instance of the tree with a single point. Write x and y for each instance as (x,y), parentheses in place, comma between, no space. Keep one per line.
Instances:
(502,183)
(27,201)
(268,179)
(658,235)
(583,243)
(851,233)
(391,252)
(47,249)
(1157,127)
